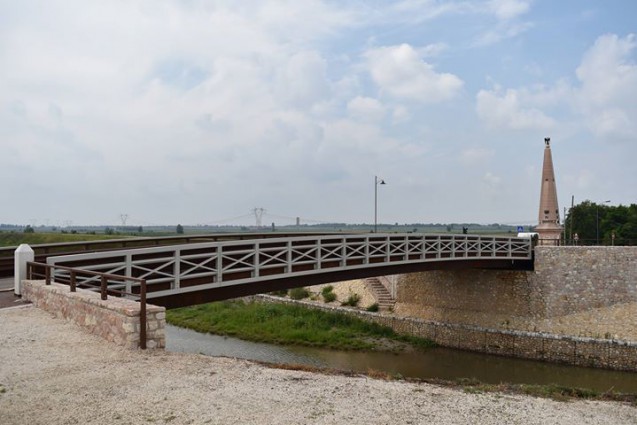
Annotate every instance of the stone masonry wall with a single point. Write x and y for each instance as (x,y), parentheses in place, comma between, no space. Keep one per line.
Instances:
(566,280)
(589,352)
(114,319)
(577,278)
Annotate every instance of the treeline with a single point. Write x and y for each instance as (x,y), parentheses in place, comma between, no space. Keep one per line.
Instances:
(597,223)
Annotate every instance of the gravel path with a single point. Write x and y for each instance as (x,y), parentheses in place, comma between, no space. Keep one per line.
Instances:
(52,372)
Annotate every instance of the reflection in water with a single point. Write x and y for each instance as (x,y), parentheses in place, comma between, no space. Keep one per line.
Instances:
(443,363)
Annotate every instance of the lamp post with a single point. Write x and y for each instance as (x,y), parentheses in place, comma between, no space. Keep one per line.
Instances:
(377,181)
(597,220)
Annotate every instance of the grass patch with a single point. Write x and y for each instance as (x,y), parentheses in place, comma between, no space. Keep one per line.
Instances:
(327,289)
(298,293)
(552,391)
(373,308)
(352,300)
(14,239)
(287,324)
(329,297)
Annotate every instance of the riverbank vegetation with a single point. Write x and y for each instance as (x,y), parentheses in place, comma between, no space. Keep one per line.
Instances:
(474,386)
(293,325)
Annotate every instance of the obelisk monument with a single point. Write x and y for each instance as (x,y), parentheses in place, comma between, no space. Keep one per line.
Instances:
(549,227)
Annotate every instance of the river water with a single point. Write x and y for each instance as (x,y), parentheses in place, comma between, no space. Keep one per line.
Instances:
(442,363)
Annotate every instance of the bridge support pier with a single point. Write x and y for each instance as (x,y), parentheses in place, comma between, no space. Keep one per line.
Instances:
(22,256)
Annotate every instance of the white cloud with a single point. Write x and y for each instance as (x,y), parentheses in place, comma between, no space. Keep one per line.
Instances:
(608,92)
(400,72)
(472,156)
(491,180)
(604,101)
(366,108)
(509,9)
(502,31)
(400,114)
(508,109)
(508,25)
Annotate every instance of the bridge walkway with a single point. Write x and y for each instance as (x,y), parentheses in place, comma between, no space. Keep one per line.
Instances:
(182,275)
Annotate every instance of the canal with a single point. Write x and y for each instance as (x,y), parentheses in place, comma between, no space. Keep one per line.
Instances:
(441,363)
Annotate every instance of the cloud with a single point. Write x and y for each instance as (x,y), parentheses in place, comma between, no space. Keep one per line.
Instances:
(472,156)
(366,108)
(400,72)
(491,180)
(508,25)
(508,109)
(608,92)
(602,101)
(509,9)
(502,31)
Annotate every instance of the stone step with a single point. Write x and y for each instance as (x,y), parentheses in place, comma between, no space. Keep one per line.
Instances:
(381,294)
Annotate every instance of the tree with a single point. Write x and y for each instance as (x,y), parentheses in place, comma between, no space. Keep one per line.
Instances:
(587,218)
(29,229)
(180,229)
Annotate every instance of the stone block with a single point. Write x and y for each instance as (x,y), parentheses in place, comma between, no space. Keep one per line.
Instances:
(561,350)
(499,343)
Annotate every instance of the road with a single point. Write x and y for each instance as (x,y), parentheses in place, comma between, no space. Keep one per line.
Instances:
(7,297)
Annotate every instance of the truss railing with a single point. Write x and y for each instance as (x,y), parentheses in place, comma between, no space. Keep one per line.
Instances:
(194,267)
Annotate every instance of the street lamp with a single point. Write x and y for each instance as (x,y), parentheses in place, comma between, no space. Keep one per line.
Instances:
(377,181)
(597,219)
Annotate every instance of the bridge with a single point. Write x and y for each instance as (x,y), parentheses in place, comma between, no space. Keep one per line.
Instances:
(199,272)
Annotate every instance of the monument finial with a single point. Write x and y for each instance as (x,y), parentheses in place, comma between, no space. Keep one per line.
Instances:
(547,140)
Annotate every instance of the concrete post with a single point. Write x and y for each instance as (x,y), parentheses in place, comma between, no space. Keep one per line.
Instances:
(22,255)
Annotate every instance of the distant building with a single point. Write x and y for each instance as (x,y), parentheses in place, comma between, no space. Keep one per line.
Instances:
(549,227)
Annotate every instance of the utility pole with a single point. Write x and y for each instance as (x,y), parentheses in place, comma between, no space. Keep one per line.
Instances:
(258,215)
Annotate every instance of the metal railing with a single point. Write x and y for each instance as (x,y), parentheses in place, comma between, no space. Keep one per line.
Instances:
(184,268)
(95,281)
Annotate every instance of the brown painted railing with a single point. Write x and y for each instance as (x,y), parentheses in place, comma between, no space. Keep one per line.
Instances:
(41,270)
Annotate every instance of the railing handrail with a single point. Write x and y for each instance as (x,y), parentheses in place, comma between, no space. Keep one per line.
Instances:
(103,286)
(237,235)
(321,237)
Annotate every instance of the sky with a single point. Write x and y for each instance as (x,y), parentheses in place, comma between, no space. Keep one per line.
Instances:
(197,112)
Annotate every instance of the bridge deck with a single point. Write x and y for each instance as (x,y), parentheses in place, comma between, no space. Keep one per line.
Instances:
(201,272)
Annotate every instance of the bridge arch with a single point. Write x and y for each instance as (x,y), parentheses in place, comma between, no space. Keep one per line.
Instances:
(182,275)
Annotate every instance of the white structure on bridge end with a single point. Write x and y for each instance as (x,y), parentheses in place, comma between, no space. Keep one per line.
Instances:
(22,256)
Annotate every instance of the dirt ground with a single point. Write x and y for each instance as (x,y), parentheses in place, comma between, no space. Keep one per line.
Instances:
(53,372)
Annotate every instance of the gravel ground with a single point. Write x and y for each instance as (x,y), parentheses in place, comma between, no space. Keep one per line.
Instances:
(52,372)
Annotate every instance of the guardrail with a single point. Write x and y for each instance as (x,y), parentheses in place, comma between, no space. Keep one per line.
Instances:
(42,251)
(199,266)
(75,278)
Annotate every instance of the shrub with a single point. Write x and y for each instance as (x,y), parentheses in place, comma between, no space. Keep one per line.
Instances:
(329,296)
(279,293)
(327,289)
(298,293)
(352,300)
(373,307)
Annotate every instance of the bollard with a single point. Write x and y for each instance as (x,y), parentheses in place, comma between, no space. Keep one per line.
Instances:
(22,255)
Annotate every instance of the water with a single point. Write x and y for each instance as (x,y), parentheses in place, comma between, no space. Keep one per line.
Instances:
(442,363)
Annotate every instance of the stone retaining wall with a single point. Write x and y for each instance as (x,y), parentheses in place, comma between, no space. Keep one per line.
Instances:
(114,319)
(589,352)
(567,280)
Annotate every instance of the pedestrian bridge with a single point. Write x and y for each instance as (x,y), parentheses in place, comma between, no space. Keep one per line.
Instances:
(196,273)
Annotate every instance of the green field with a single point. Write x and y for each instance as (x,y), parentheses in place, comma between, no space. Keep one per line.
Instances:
(291,325)
(14,239)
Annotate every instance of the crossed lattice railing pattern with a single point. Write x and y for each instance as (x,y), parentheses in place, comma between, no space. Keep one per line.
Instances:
(215,264)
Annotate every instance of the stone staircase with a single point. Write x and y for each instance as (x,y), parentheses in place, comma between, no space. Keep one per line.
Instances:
(382,295)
